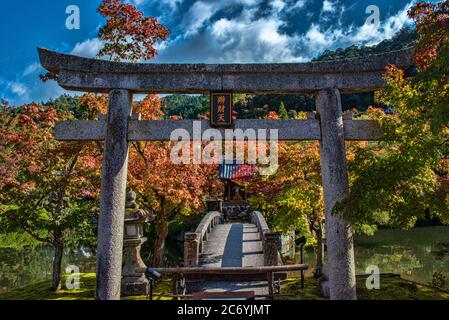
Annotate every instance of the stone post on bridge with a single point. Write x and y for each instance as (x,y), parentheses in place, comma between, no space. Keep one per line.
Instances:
(271,248)
(191,250)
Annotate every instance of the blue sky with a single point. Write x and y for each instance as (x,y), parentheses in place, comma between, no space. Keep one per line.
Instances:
(209,31)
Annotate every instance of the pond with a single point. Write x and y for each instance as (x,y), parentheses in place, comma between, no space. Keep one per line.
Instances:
(416,255)
(31,264)
(23,266)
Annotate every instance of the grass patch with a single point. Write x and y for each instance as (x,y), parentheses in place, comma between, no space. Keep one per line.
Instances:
(293,286)
(390,289)
(42,291)
(400,289)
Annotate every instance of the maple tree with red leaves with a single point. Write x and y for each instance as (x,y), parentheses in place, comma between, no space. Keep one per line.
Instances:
(432,24)
(128,34)
(165,188)
(292,199)
(47,188)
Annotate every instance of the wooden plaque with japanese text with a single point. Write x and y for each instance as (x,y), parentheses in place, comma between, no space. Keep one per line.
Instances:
(221,114)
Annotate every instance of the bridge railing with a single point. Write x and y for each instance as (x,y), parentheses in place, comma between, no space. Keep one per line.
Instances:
(272,257)
(270,274)
(193,241)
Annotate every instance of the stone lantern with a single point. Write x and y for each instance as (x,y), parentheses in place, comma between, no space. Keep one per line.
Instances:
(134,283)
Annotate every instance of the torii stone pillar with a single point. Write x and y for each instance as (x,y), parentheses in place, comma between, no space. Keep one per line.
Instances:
(113,197)
(340,245)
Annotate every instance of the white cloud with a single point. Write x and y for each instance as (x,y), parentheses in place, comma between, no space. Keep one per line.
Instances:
(136,2)
(88,48)
(19,89)
(278,5)
(370,34)
(299,4)
(32,68)
(316,39)
(198,15)
(244,38)
(270,33)
(328,6)
(171,3)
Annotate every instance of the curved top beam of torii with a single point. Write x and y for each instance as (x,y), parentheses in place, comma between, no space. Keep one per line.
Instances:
(348,75)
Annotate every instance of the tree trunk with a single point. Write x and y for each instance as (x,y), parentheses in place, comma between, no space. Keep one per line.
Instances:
(58,244)
(161,230)
(319,252)
(57,264)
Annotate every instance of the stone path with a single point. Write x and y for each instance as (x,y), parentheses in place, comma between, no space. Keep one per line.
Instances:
(232,245)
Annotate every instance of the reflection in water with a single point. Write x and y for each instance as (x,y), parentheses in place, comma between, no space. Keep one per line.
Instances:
(416,255)
(24,266)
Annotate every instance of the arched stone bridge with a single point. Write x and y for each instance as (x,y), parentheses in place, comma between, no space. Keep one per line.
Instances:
(216,244)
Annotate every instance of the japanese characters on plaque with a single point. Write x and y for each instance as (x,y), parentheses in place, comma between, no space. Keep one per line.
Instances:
(221,114)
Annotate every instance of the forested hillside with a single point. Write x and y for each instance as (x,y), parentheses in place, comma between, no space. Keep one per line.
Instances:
(403,39)
(186,106)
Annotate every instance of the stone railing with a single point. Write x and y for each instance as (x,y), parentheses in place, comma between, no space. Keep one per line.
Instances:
(193,242)
(271,253)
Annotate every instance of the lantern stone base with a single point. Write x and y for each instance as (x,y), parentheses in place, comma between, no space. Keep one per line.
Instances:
(135,286)
(133,282)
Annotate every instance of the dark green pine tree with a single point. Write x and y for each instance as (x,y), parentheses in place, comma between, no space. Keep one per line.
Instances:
(283,114)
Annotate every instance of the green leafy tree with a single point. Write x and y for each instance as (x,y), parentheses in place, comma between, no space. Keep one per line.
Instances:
(400,179)
(185,106)
(293,114)
(283,114)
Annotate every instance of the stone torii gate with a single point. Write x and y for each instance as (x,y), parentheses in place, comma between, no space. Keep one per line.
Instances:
(121,80)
